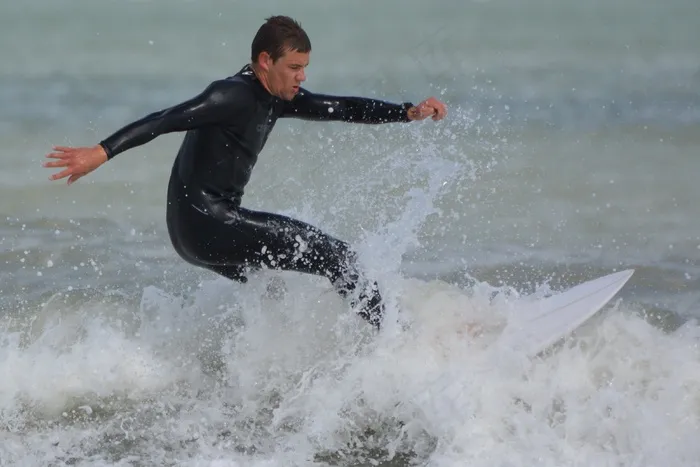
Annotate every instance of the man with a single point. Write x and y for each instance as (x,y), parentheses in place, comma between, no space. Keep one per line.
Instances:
(226,128)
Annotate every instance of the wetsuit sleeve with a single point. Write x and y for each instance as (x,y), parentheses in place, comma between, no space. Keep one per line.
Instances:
(310,106)
(216,104)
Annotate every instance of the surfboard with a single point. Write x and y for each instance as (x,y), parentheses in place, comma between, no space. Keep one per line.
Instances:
(536,326)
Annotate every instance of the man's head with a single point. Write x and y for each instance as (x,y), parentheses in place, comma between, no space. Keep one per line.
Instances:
(279,53)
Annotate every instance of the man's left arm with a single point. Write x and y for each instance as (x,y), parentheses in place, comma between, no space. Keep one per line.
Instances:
(321,107)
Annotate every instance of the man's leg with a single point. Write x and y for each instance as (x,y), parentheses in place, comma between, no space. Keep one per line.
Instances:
(230,240)
(275,241)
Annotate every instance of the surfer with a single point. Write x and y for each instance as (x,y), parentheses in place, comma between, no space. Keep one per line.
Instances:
(226,126)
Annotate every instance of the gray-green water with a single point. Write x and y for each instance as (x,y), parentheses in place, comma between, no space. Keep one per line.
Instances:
(570,151)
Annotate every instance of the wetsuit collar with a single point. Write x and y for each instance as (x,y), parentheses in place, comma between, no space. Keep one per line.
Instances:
(263,93)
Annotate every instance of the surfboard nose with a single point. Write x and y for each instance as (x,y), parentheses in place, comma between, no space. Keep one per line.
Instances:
(540,324)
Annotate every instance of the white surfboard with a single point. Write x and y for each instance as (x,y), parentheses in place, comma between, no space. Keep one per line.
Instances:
(538,325)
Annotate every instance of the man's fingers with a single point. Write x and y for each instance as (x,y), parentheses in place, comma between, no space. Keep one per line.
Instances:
(429,108)
(58,163)
(73,178)
(430,111)
(62,148)
(433,108)
(62,174)
(440,111)
(426,111)
(58,155)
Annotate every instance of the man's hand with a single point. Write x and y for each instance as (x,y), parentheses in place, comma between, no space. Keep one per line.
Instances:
(430,107)
(78,161)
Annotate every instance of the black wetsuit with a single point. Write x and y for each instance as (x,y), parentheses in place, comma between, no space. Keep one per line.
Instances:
(227,126)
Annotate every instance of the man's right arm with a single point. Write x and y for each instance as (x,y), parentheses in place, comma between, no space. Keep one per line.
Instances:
(212,106)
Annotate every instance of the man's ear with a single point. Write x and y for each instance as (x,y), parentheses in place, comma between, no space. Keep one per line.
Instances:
(264,61)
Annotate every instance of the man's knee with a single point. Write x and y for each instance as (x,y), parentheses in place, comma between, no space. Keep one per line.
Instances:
(233,272)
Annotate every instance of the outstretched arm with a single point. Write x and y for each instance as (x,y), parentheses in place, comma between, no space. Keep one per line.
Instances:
(321,107)
(211,106)
(309,106)
(214,105)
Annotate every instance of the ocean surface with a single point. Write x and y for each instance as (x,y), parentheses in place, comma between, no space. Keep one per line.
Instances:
(571,150)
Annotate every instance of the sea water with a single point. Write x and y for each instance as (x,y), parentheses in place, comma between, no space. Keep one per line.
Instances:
(570,151)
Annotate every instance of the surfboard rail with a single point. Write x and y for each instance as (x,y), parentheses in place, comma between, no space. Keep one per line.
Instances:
(538,325)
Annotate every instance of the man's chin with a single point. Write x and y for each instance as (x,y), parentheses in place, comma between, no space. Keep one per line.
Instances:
(289,95)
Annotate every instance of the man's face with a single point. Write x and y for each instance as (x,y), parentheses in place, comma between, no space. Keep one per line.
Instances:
(287,73)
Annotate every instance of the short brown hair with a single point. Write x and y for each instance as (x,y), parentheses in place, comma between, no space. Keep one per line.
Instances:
(277,35)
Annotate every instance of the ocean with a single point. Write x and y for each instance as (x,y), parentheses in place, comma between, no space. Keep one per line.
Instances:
(570,151)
